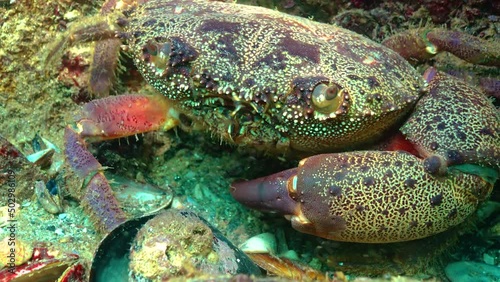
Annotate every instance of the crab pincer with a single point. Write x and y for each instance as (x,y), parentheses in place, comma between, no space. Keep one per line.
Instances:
(124,115)
(393,196)
(361,197)
(108,118)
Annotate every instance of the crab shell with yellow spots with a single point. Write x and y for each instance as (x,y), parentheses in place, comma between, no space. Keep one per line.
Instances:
(267,79)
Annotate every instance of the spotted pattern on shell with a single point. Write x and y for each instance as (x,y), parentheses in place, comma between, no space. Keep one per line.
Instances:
(354,197)
(457,123)
(254,57)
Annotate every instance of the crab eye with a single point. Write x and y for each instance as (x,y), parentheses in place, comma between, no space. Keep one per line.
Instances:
(149,49)
(327,98)
(157,55)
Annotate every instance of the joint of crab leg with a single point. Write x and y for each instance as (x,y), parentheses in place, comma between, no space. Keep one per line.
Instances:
(99,201)
(96,196)
(92,29)
(125,115)
(79,158)
(270,193)
(419,45)
(411,46)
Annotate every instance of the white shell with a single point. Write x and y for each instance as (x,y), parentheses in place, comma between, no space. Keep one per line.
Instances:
(264,243)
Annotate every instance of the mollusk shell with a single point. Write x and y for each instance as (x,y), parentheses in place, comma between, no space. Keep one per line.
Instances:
(14,252)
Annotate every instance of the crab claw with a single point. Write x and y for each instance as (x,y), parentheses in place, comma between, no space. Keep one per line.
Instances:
(125,115)
(108,118)
(364,197)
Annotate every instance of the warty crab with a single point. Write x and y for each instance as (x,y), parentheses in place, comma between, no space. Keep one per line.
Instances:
(291,86)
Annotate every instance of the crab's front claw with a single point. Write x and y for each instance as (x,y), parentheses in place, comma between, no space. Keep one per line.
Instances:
(368,196)
(125,115)
(418,45)
(108,118)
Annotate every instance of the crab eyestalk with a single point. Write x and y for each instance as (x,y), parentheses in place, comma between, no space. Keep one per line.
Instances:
(108,118)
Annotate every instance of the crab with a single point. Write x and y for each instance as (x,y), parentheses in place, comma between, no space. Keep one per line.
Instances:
(391,155)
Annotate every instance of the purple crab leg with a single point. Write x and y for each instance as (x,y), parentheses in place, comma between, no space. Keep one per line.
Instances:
(96,195)
(418,45)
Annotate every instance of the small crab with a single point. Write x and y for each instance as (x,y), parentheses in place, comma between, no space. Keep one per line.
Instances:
(290,86)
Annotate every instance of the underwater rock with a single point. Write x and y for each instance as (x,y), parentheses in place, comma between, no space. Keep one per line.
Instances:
(469,271)
(179,243)
(171,244)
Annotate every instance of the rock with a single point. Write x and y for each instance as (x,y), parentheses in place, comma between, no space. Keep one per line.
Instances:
(469,271)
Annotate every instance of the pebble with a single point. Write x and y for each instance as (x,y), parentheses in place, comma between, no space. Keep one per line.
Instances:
(62,216)
(72,15)
(59,232)
(492,257)
(66,239)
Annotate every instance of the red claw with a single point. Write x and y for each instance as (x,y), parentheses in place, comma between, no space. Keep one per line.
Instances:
(108,118)
(124,115)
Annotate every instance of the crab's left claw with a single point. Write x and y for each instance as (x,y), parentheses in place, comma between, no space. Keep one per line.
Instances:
(120,116)
(362,197)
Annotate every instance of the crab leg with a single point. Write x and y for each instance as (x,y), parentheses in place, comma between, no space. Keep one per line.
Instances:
(111,117)
(419,45)
(392,196)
